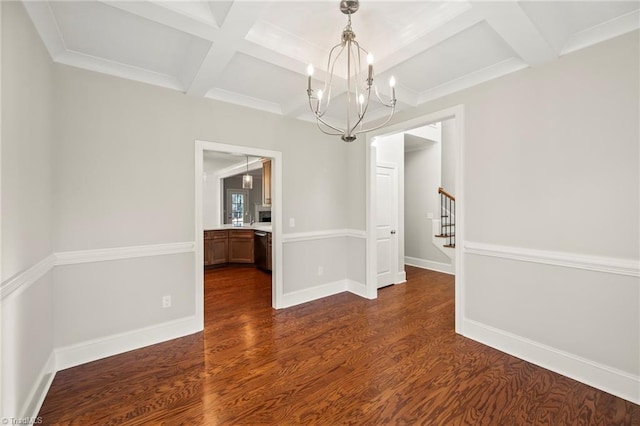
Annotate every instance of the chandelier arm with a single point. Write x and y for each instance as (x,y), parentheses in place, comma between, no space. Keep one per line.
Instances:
(320,120)
(392,102)
(328,84)
(358,75)
(361,116)
(348,78)
(314,111)
(393,108)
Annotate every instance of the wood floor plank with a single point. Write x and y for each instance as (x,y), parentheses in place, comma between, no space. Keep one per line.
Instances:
(338,360)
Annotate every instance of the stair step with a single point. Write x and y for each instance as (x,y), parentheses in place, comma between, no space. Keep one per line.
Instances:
(450,245)
(445,235)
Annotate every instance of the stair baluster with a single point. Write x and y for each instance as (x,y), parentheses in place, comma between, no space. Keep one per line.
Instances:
(447,217)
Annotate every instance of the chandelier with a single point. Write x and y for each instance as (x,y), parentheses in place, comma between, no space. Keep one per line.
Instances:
(358,88)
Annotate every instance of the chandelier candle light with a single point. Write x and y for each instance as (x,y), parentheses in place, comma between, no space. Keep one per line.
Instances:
(358,92)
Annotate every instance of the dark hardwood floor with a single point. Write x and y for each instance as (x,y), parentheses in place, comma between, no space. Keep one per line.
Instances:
(339,360)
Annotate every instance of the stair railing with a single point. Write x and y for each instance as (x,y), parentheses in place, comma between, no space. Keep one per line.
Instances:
(447,217)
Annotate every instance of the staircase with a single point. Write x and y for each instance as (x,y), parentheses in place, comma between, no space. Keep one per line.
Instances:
(447,224)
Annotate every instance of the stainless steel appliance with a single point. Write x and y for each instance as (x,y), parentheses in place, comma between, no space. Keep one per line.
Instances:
(260,249)
(264,216)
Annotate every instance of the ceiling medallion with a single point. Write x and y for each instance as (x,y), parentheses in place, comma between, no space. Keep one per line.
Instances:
(358,88)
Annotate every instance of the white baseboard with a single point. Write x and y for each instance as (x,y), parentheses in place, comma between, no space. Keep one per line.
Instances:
(313,293)
(324,290)
(40,389)
(608,379)
(445,268)
(70,356)
(357,288)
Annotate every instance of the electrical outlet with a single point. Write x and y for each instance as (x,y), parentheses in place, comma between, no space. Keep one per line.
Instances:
(166,301)
(320,271)
(292,222)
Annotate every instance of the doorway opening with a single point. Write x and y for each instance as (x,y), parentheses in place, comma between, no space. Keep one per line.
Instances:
(215,201)
(390,224)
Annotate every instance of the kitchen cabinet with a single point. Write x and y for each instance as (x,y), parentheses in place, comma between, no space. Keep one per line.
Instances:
(240,246)
(266,182)
(215,247)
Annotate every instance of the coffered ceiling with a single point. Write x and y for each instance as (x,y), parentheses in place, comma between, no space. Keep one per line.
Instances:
(255,53)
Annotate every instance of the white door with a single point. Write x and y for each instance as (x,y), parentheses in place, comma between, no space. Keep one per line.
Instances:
(386,223)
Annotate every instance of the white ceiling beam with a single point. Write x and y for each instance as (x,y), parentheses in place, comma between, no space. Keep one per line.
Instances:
(273,57)
(212,66)
(247,101)
(605,31)
(477,77)
(453,27)
(220,9)
(157,12)
(238,22)
(128,72)
(47,27)
(514,26)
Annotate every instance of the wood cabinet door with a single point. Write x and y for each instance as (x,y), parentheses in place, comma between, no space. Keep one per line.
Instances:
(219,251)
(215,247)
(241,246)
(266,182)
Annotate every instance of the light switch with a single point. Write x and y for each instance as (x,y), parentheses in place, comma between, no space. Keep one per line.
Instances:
(292,222)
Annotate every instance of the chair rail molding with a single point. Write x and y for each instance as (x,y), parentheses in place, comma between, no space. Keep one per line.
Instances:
(611,265)
(117,253)
(320,235)
(21,281)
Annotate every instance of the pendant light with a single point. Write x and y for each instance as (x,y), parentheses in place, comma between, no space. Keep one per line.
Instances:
(247,179)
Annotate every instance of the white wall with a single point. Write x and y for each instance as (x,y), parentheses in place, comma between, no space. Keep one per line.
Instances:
(108,193)
(211,201)
(547,151)
(27,318)
(448,156)
(422,172)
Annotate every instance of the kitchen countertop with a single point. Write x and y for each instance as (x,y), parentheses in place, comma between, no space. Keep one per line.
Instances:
(265,227)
